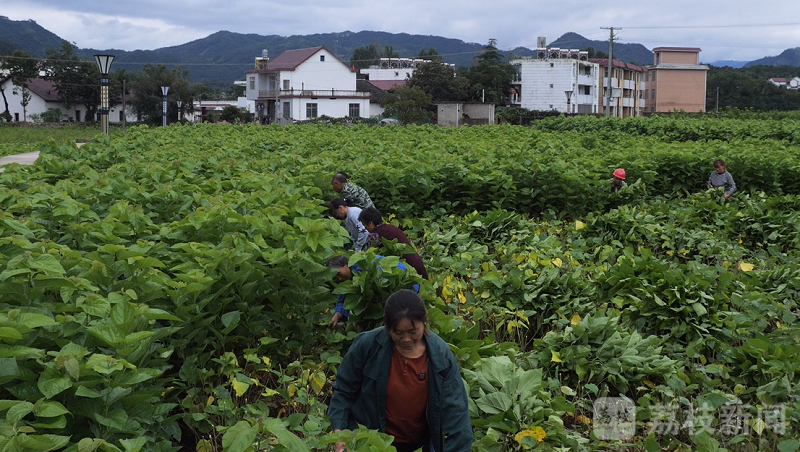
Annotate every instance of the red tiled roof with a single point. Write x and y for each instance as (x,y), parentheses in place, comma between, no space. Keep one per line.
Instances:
(386,85)
(779,79)
(619,63)
(291,59)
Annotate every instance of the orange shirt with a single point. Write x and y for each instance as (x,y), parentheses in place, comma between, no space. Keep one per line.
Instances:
(407,399)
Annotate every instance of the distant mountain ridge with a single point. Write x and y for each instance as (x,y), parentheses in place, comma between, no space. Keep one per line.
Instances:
(789,57)
(222,57)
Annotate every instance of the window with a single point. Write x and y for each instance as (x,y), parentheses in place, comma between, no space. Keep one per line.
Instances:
(322,57)
(355,110)
(311,110)
(653,77)
(121,116)
(77,116)
(587,90)
(286,85)
(551,64)
(252,83)
(551,85)
(287,110)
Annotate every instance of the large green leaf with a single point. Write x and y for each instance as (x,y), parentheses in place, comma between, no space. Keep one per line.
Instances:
(239,438)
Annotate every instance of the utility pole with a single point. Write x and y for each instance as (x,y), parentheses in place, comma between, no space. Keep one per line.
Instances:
(610,68)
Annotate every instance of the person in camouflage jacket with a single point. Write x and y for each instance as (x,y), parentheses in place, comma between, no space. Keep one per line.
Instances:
(354,195)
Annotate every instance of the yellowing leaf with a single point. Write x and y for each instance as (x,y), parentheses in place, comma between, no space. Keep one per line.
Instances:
(265,360)
(536,432)
(557,262)
(576,319)
(555,358)
(745,267)
(210,401)
(758,425)
(579,225)
(462,298)
(486,294)
(649,384)
(240,387)
(583,420)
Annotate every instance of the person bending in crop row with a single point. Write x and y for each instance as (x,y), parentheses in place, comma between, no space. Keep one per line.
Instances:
(345,272)
(354,195)
(372,220)
(358,233)
(720,177)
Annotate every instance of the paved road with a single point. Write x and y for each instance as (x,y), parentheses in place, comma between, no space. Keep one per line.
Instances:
(29,158)
(24,159)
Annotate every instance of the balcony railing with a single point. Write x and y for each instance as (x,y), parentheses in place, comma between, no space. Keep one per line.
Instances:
(282,93)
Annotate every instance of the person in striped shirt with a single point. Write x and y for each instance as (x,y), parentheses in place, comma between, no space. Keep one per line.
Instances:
(720,177)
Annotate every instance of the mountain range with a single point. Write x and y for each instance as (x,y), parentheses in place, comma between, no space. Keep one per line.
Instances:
(222,57)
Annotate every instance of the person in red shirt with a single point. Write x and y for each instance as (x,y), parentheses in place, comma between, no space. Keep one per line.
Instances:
(373,222)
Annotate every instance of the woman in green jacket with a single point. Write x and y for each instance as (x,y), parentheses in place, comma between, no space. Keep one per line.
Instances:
(403,380)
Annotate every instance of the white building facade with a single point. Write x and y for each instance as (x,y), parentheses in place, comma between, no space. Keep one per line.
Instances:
(395,68)
(304,84)
(556,79)
(44,96)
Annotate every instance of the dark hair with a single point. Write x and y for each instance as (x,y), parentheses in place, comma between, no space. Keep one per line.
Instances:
(339,177)
(719,162)
(404,304)
(370,215)
(338,261)
(335,203)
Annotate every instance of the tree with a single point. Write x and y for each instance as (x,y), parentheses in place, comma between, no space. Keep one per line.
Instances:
(406,103)
(440,81)
(595,53)
(77,81)
(490,79)
(147,99)
(431,55)
(21,68)
(366,56)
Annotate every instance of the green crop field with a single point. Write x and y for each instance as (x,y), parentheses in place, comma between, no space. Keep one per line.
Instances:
(167,290)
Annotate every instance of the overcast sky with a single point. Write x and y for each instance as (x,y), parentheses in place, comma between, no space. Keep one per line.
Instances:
(724,30)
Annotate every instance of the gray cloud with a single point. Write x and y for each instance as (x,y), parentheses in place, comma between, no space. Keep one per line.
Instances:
(722,30)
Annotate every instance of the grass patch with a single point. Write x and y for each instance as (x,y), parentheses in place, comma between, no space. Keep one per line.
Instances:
(19,139)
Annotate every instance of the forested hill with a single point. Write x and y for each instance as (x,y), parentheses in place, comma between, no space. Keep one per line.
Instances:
(221,58)
(789,57)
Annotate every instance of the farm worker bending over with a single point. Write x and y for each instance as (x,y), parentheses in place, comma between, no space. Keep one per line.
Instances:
(353,194)
(345,273)
(372,220)
(720,177)
(403,380)
(618,180)
(339,209)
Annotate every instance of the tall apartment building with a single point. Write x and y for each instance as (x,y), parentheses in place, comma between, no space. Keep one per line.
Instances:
(627,88)
(676,80)
(556,79)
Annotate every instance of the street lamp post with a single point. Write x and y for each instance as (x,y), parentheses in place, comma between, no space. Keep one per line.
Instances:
(104,64)
(164,91)
(180,104)
(569,96)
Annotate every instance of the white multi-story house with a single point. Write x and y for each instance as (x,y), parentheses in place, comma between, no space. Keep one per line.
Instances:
(303,84)
(556,79)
